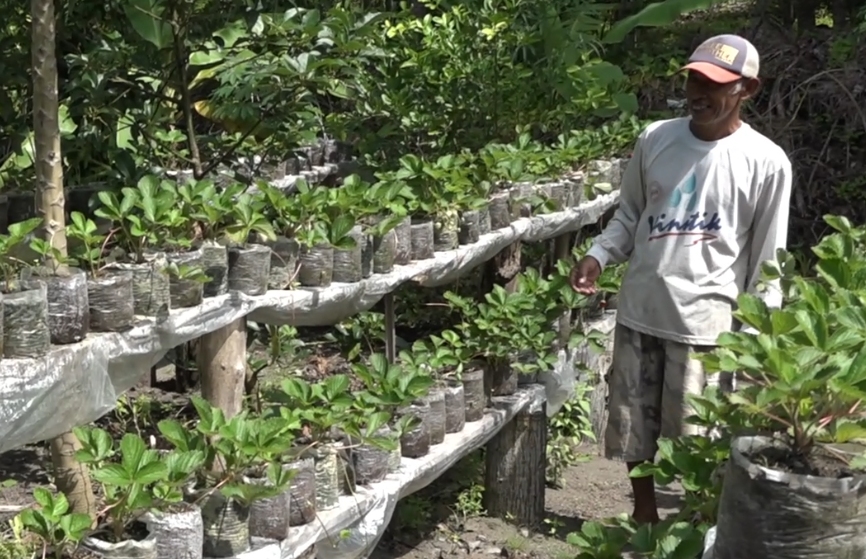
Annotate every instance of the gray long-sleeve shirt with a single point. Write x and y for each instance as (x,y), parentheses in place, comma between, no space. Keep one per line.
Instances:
(695,222)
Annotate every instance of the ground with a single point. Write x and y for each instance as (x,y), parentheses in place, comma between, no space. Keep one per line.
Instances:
(593,490)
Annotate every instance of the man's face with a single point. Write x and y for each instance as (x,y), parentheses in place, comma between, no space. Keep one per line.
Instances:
(710,102)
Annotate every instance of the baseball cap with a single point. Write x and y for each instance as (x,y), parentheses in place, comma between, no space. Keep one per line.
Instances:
(725,58)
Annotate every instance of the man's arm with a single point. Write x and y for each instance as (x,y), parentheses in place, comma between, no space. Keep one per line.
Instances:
(770,232)
(616,242)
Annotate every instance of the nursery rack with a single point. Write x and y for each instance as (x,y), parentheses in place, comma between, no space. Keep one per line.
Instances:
(76,384)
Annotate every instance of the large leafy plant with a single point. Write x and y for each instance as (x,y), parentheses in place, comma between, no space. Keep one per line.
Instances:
(509,322)
(805,364)
(233,449)
(128,474)
(388,385)
(321,407)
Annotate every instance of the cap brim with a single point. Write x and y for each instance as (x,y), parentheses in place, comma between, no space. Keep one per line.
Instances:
(713,72)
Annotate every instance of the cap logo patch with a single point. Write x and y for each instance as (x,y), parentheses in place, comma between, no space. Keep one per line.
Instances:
(721,52)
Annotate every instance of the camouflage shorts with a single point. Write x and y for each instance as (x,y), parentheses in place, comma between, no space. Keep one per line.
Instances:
(648,382)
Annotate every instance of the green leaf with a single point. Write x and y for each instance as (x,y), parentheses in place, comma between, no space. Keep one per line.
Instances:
(849,432)
(626,102)
(112,474)
(144,15)
(132,449)
(783,321)
(754,312)
(853,318)
(151,473)
(814,326)
(232,33)
(76,525)
(206,57)
(341,227)
(657,14)
(835,271)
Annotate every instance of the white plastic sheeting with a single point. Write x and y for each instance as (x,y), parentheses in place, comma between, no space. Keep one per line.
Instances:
(76,384)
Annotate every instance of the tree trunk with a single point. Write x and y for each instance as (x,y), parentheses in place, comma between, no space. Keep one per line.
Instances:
(516,457)
(515,469)
(222,365)
(73,478)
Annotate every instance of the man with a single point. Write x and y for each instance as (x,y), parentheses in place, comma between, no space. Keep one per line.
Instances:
(704,201)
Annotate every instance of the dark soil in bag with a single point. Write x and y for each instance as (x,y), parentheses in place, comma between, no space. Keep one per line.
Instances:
(474,395)
(68,307)
(25,322)
(185,292)
(317,266)
(284,262)
(215,260)
(470,230)
(422,238)
(347,262)
(112,308)
(249,269)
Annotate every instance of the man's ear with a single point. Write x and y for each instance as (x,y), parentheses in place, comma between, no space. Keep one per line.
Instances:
(750,88)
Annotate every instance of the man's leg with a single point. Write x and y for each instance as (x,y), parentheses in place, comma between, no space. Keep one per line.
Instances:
(684,375)
(634,421)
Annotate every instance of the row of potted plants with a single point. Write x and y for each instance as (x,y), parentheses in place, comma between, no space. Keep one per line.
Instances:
(224,482)
(166,245)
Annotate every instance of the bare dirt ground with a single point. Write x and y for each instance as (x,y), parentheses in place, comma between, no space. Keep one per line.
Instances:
(593,490)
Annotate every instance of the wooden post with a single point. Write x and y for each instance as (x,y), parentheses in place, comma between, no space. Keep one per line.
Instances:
(222,364)
(515,469)
(516,457)
(390,329)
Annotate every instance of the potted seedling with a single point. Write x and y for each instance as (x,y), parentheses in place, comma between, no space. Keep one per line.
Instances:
(421,194)
(176,524)
(249,262)
(271,517)
(138,227)
(324,229)
(287,217)
(502,323)
(338,217)
(322,408)
(388,198)
(602,177)
(380,209)
(109,292)
(801,370)
(372,441)
(128,475)
(210,209)
(25,303)
(185,259)
(234,449)
(344,236)
(448,358)
(66,293)
(400,392)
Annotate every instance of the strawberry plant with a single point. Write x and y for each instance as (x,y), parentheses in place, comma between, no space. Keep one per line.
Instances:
(388,385)
(59,530)
(128,474)
(232,449)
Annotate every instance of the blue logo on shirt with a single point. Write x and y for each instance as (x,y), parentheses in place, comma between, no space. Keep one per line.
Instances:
(686,219)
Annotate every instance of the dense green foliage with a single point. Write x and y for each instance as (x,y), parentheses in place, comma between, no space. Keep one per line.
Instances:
(154,82)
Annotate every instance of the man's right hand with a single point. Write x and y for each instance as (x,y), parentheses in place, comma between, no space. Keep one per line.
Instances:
(584,275)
